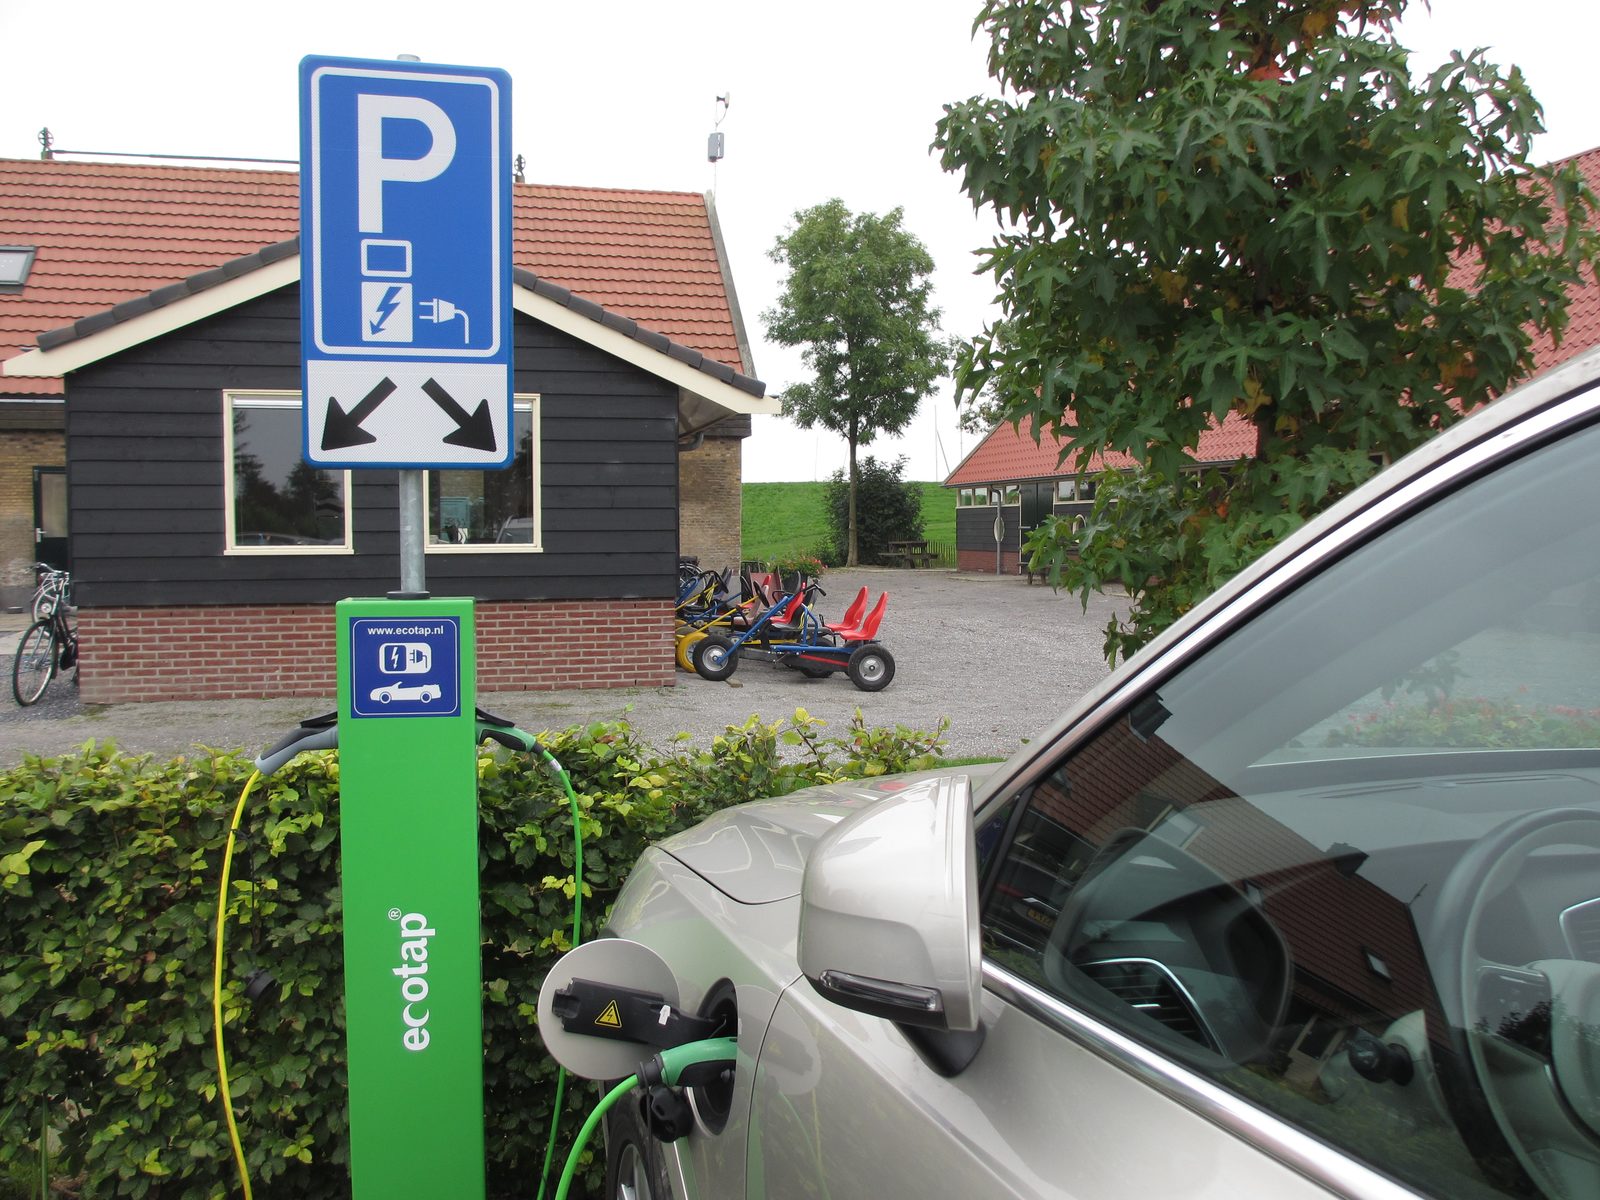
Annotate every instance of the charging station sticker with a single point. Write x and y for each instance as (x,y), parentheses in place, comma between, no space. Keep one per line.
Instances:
(405,668)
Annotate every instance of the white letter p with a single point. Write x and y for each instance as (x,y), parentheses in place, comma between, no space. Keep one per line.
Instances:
(373,170)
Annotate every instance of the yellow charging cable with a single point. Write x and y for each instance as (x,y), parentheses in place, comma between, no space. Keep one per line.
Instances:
(216,989)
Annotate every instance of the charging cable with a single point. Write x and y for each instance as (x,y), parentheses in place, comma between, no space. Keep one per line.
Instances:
(314,733)
(216,989)
(668,1067)
(493,728)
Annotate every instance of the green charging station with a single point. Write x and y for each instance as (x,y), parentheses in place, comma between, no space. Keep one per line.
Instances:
(409,839)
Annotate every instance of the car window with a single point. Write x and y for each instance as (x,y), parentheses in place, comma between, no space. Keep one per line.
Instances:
(1346,863)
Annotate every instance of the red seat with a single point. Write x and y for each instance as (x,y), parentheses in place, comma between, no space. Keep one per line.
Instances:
(853,614)
(868,629)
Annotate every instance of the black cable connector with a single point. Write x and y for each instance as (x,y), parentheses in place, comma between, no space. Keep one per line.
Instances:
(606,1010)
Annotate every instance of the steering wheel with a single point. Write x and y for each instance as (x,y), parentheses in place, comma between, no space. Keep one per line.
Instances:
(1524,1086)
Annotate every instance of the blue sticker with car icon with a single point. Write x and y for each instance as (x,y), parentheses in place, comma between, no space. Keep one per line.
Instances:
(405,668)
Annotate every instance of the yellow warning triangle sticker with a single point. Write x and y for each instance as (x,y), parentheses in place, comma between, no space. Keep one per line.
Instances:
(610,1017)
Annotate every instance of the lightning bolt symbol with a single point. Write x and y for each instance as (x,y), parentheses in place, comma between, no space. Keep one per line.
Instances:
(385,310)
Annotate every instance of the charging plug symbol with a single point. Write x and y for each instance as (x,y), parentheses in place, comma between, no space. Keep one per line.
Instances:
(440,311)
(405,658)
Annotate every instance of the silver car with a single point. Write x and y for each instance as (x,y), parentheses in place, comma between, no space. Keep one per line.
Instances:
(1303,900)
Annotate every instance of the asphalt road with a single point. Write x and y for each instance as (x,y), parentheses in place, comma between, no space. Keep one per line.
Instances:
(1000,658)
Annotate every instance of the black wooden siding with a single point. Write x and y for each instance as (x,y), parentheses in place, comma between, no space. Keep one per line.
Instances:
(975,526)
(146,482)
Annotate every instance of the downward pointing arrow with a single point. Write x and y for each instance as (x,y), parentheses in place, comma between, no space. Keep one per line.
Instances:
(475,431)
(341,429)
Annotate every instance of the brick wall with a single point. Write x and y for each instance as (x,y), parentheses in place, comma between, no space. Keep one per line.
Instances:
(203,653)
(982,561)
(20,452)
(709,502)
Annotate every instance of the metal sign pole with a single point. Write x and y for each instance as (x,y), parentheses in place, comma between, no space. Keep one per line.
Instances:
(407,364)
(413,537)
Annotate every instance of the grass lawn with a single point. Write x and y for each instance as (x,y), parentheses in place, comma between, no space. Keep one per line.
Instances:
(791,518)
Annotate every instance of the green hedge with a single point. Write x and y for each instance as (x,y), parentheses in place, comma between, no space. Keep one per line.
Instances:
(109,865)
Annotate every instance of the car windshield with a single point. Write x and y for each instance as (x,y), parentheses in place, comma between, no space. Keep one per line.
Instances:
(1473,627)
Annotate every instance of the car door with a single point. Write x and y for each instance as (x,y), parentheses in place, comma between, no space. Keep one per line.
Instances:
(1311,904)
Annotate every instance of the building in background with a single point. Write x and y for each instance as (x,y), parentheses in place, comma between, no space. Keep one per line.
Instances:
(149,349)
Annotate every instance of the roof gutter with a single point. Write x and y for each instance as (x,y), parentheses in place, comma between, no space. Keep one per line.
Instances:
(729,292)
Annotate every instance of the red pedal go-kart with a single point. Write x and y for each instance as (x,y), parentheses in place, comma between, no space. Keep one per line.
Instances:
(790,633)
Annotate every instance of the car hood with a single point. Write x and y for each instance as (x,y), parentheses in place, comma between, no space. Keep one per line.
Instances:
(756,853)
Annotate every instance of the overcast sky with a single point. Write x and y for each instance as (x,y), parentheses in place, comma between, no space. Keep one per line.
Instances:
(824,99)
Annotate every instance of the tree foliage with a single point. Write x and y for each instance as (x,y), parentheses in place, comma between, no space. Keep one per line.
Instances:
(888,509)
(1247,208)
(857,297)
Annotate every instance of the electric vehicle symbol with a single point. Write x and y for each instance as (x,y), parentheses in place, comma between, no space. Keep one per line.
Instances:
(405,658)
(389,692)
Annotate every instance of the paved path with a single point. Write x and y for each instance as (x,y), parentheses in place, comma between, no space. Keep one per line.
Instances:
(1000,658)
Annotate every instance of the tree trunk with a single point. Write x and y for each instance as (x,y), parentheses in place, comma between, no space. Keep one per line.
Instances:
(853,555)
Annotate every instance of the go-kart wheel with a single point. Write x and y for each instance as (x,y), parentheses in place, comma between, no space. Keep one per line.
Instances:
(1546,1129)
(685,648)
(714,657)
(812,671)
(871,667)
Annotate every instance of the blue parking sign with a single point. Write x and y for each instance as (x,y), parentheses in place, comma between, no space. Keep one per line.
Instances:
(406,252)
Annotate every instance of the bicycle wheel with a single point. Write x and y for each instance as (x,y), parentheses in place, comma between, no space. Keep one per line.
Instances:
(35,662)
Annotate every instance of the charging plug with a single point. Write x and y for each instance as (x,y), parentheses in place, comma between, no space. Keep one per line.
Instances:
(314,733)
(605,1010)
(440,311)
(666,1113)
(680,1062)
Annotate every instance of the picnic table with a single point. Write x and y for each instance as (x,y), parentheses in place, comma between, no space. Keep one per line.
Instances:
(910,553)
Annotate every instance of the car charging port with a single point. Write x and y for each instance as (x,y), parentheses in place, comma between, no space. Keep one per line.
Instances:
(712,1101)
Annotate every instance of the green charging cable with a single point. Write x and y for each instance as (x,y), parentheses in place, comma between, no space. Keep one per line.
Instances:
(673,1063)
(577,937)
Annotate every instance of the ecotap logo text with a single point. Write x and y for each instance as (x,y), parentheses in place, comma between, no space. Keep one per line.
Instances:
(413,973)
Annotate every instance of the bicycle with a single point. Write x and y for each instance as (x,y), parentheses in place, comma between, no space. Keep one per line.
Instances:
(54,589)
(49,645)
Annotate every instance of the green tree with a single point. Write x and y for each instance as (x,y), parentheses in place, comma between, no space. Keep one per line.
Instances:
(857,299)
(1247,207)
(889,509)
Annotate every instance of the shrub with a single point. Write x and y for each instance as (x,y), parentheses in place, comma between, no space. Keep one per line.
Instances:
(808,566)
(108,873)
(1474,722)
(888,509)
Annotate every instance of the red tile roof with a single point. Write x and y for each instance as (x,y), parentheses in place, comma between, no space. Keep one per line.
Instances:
(1583,309)
(111,232)
(1008,455)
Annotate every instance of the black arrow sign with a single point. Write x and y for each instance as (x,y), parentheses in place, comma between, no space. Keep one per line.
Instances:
(342,429)
(475,431)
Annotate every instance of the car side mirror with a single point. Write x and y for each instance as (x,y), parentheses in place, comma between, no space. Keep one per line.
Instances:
(889,909)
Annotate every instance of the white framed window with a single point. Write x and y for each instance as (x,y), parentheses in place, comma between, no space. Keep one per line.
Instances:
(276,503)
(477,512)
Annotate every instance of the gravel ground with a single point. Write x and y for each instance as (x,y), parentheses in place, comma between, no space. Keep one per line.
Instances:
(1000,658)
